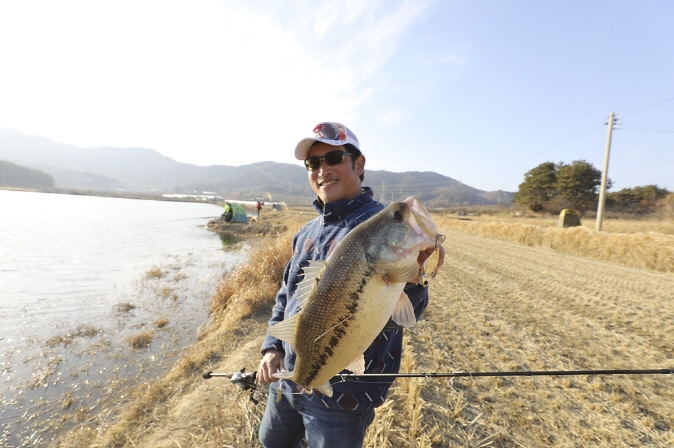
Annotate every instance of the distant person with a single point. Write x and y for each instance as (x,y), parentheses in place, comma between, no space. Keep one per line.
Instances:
(228,213)
(258,206)
(335,169)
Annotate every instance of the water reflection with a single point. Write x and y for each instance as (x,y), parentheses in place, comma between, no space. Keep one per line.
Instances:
(80,288)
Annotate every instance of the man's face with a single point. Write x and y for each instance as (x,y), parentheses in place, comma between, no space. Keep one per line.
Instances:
(334,183)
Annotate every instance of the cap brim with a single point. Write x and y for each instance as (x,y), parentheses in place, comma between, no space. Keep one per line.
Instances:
(303,147)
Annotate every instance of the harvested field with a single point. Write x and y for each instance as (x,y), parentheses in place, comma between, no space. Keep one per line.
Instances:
(500,306)
(496,306)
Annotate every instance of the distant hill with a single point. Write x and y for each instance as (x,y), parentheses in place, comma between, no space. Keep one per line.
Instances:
(15,176)
(143,170)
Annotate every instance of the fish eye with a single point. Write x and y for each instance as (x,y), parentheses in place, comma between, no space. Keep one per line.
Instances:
(398,216)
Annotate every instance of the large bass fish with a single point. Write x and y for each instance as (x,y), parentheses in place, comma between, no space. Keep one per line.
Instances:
(347,300)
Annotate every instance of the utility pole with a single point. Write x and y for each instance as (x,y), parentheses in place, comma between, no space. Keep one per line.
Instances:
(604,175)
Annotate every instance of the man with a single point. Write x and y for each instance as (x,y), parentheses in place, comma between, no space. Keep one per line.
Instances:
(228,213)
(335,167)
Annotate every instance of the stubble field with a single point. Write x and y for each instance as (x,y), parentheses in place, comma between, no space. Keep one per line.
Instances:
(495,306)
(500,306)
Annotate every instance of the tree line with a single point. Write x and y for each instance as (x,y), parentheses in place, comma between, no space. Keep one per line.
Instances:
(555,186)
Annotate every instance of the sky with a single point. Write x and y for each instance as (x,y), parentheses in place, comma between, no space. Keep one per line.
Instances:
(481,91)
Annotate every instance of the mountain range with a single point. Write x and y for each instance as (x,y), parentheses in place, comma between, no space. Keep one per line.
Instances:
(145,170)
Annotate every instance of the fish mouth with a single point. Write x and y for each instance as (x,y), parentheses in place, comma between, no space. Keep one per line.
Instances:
(420,221)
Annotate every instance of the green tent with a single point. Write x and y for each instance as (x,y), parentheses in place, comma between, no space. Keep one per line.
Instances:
(239,213)
(234,213)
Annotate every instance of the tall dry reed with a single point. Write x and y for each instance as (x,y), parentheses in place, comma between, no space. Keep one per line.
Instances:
(248,288)
(253,283)
(637,250)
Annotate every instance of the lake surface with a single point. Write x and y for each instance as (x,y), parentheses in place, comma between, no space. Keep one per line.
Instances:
(80,277)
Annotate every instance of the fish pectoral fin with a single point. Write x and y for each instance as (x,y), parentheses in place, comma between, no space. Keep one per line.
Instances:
(403,314)
(402,271)
(285,330)
(357,366)
(325,389)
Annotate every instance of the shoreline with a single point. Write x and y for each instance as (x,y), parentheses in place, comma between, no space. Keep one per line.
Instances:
(109,194)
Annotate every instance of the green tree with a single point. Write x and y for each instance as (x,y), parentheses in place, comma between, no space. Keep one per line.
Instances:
(539,186)
(579,183)
(638,197)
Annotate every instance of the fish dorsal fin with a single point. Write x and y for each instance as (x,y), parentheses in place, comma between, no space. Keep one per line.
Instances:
(357,366)
(403,271)
(285,330)
(403,314)
(311,274)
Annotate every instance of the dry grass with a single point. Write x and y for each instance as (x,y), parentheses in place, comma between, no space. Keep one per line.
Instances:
(124,307)
(161,322)
(659,223)
(67,338)
(650,250)
(221,416)
(141,340)
(495,306)
(155,272)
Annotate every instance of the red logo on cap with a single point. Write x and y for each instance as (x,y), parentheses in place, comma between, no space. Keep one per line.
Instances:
(331,131)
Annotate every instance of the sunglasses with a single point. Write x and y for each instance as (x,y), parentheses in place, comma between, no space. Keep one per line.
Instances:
(332,158)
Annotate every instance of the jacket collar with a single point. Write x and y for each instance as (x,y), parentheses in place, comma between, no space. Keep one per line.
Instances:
(333,211)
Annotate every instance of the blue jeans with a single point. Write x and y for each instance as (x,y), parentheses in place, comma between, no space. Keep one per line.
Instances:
(285,423)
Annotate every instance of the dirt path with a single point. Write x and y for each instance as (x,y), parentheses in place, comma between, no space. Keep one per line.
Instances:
(503,306)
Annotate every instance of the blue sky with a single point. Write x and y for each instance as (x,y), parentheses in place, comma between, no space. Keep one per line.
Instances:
(480,91)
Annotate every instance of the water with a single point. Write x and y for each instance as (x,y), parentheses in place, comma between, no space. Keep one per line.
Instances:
(79,277)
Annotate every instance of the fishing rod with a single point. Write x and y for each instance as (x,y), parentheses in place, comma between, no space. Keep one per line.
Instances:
(248,380)
(512,373)
(242,379)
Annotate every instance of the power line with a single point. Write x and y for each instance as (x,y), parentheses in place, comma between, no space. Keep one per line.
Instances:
(646,130)
(539,153)
(649,107)
(651,126)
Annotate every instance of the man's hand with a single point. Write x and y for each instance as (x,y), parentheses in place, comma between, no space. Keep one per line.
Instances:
(272,362)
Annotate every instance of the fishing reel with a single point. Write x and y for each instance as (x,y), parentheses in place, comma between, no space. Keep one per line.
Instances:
(242,379)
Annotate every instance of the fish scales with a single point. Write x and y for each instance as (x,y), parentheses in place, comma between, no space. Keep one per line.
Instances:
(355,294)
(334,307)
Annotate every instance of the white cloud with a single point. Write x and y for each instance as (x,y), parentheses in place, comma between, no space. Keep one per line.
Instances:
(203,82)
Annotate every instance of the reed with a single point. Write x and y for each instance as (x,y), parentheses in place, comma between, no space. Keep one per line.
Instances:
(650,250)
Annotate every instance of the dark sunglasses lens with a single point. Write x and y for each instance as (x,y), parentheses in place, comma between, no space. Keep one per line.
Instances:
(313,163)
(334,158)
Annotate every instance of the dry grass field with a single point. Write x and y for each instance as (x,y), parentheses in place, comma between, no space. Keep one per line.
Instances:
(498,304)
(632,243)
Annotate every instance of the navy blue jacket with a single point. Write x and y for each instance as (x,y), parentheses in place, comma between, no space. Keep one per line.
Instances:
(315,241)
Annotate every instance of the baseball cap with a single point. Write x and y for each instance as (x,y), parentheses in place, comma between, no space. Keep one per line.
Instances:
(335,134)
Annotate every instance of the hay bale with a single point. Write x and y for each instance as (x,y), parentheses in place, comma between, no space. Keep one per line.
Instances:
(568,218)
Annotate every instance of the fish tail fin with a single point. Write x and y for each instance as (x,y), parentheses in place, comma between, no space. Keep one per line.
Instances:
(325,389)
